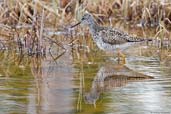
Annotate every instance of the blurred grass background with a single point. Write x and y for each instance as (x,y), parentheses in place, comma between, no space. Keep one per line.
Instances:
(149,13)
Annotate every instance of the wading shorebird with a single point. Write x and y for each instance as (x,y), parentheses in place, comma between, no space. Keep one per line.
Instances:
(107,38)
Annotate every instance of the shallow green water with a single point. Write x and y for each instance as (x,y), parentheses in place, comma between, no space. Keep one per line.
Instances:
(84,86)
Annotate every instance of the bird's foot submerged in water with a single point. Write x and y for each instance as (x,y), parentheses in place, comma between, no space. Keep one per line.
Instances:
(118,60)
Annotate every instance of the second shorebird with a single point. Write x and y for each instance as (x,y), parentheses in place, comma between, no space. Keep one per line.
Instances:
(107,38)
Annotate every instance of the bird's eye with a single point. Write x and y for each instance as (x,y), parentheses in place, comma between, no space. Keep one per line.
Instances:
(82,18)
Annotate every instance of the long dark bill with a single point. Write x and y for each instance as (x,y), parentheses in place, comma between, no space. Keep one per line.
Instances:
(76,24)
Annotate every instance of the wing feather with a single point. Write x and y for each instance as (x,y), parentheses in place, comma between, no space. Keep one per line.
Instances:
(116,36)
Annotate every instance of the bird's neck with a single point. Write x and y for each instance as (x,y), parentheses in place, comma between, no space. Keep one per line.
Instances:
(93,27)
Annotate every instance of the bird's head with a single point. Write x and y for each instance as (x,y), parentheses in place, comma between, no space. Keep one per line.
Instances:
(87,19)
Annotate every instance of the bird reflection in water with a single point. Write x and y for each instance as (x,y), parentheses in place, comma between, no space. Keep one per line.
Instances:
(111,76)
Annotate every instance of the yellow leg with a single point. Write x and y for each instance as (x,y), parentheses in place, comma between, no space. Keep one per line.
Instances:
(121,57)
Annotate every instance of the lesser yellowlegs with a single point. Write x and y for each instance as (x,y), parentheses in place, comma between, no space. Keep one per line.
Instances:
(108,38)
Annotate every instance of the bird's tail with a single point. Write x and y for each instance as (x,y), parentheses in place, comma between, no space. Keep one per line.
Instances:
(138,39)
(151,41)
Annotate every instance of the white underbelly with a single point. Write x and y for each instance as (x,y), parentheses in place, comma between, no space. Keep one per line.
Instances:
(109,47)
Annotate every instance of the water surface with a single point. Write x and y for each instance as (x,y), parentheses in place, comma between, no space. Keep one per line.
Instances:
(85,83)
